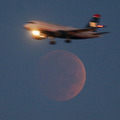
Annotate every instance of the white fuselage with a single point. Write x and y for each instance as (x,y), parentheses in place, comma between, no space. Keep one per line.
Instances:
(46,26)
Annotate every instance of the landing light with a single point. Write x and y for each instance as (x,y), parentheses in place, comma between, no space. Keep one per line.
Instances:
(36,33)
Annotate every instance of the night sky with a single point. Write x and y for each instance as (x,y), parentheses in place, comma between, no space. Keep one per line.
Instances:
(20,99)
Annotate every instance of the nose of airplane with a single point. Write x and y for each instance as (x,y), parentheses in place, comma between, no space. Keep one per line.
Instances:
(26,26)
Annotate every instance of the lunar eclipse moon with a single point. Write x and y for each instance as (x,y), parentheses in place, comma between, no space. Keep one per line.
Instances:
(61,76)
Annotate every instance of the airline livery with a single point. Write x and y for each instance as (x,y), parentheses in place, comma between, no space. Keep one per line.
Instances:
(42,30)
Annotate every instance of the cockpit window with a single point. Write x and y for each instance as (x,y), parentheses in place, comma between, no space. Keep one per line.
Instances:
(31,22)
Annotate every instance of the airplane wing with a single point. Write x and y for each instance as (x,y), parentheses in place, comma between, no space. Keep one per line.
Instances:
(81,30)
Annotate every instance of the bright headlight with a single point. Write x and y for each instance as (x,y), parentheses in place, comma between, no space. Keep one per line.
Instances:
(36,33)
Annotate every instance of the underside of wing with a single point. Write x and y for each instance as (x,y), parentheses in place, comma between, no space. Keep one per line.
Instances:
(81,30)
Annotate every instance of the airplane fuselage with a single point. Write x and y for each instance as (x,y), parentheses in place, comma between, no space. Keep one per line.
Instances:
(42,30)
(58,31)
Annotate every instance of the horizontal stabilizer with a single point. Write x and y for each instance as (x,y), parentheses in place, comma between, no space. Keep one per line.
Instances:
(100,33)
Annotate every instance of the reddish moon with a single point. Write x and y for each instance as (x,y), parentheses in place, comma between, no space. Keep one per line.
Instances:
(62,75)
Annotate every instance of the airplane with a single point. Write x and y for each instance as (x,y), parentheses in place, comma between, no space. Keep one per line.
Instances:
(41,30)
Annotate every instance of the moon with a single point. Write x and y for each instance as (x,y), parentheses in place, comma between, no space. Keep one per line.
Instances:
(61,76)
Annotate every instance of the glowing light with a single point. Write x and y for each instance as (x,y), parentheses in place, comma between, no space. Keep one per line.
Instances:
(97,15)
(36,33)
(100,26)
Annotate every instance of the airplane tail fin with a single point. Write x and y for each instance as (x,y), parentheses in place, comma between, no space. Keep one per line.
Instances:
(93,23)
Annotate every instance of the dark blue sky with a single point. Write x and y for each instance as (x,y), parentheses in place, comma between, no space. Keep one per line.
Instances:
(20,55)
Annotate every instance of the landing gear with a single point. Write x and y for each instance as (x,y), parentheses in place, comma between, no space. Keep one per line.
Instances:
(68,41)
(52,42)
